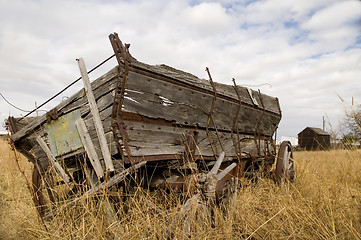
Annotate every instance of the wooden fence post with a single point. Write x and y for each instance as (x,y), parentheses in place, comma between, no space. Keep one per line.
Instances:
(53,160)
(89,147)
(96,116)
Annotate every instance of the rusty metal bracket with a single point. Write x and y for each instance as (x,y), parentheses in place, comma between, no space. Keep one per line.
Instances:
(124,58)
(236,145)
(125,139)
(52,114)
(190,146)
(188,158)
(210,118)
(118,49)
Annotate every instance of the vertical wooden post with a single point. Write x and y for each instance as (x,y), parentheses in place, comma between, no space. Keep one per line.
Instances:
(52,159)
(89,147)
(96,116)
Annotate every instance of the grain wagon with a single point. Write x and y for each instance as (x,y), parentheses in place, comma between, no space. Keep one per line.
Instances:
(155,127)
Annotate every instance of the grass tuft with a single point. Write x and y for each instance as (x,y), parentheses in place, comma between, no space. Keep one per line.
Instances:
(323,203)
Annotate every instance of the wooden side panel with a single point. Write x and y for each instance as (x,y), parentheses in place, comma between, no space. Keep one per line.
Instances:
(181,103)
(157,99)
(63,135)
(100,86)
(223,89)
(149,139)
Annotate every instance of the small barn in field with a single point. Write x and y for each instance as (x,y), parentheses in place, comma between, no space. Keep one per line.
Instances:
(314,139)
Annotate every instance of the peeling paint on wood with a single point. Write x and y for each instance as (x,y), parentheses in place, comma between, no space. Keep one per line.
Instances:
(63,135)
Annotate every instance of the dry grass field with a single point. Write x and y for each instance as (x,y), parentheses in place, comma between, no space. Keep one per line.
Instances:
(323,203)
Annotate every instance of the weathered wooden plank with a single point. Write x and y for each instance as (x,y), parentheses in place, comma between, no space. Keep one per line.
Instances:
(96,116)
(101,86)
(52,159)
(156,99)
(99,94)
(167,106)
(40,155)
(156,150)
(104,114)
(173,73)
(149,139)
(144,138)
(89,147)
(91,128)
(110,142)
(36,122)
(204,146)
(191,80)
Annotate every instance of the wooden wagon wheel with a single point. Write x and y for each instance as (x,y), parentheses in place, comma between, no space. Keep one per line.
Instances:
(285,167)
(208,192)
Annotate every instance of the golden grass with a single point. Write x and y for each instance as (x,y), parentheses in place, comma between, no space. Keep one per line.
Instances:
(323,203)
(17,212)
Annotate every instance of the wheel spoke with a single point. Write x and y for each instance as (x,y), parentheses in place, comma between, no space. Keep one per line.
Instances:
(290,166)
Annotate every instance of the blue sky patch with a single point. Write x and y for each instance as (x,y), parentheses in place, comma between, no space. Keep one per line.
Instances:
(290,24)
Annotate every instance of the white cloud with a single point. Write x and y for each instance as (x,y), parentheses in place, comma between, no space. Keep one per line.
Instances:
(206,19)
(304,49)
(335,26)
(334,16)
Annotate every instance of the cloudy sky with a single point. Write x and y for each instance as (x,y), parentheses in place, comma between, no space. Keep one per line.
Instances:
(307,53)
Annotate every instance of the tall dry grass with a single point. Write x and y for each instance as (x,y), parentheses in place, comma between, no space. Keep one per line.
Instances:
(323,203)
(17,212)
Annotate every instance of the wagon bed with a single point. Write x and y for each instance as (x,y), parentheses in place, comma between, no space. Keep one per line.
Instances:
(170,119)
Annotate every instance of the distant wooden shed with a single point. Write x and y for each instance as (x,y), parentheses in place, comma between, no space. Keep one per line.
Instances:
(314,139)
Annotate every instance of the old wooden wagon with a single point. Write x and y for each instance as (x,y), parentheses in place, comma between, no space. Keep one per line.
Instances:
(154,127)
